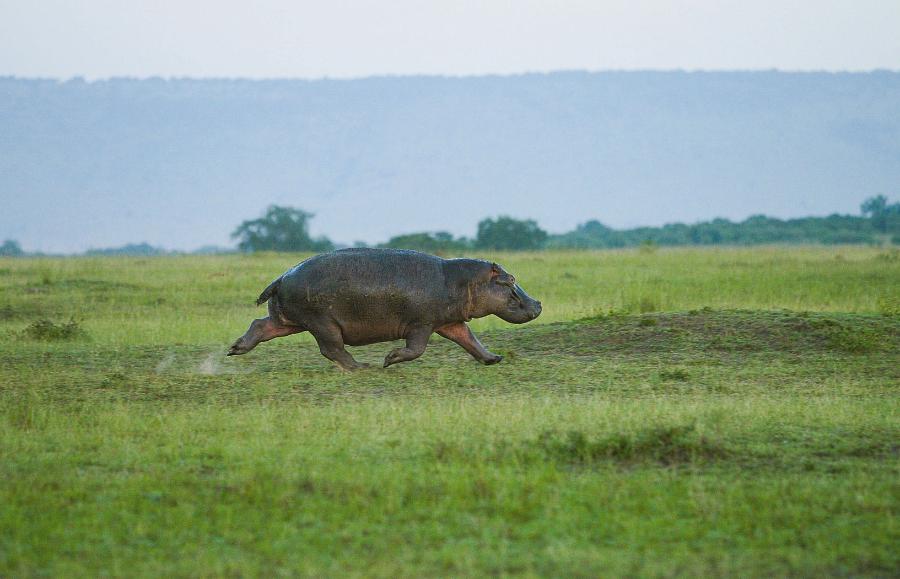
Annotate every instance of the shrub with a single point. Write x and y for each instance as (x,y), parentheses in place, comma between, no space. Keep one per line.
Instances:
(48,331)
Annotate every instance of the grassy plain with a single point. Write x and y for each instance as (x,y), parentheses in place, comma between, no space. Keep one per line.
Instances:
(683,412)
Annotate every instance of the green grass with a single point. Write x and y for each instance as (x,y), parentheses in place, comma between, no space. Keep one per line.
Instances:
(199,300)
(693,412)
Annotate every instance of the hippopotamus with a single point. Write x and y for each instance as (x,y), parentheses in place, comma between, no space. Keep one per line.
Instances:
(364,296)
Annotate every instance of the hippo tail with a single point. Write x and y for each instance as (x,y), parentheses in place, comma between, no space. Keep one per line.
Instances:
(268,292)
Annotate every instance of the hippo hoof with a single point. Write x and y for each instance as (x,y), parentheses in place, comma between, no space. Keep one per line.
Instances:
(394,356)
(493,360)
(236,350)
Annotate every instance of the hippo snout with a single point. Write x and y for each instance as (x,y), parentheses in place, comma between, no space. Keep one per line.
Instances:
(522,308)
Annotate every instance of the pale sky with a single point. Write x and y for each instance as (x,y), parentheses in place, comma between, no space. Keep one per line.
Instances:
(338,39)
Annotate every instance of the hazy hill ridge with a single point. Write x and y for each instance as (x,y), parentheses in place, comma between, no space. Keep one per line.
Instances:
(179,163)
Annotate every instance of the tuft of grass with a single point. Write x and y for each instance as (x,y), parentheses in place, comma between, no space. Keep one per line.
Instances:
(889,305)
(667,445)
(854,340)
(25,410)
(643,305)
(848,337)
(7,312)
(676,374)
(49,331)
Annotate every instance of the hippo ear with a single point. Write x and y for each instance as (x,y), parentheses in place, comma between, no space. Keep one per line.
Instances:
(495,271)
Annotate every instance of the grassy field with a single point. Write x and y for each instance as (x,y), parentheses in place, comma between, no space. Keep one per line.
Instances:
(711,412)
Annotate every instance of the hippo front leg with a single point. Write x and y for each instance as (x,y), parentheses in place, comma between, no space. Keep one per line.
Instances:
(462,335)
(416,342)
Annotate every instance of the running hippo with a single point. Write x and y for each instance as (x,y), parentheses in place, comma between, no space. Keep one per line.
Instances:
(363,296)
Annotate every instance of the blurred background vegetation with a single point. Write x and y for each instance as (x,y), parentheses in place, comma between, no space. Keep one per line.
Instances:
(287,229)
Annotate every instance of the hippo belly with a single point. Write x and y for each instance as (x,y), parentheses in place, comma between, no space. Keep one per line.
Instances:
(364,317)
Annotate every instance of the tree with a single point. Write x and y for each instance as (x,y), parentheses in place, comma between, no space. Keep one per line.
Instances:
(885,218)
(280,229)
(11,248)
(874,205)
(508,233)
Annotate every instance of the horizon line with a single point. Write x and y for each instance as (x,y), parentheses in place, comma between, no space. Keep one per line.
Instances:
(390,76)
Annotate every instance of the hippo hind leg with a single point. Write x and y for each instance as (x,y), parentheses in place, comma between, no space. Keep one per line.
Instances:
(261,330)
(331,344)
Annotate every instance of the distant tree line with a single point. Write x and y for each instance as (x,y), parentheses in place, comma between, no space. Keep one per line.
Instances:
(287,229)
(139,249)
(755,230)
(879,222)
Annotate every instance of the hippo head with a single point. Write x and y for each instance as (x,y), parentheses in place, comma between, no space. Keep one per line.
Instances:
(504,298)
